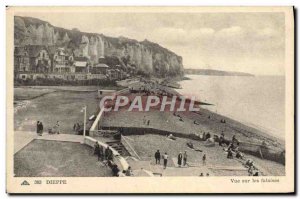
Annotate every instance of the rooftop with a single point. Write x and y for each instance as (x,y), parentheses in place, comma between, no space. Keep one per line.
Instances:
(101,66)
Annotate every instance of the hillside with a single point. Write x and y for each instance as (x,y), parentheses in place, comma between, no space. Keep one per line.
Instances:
(214,72)
(148,57)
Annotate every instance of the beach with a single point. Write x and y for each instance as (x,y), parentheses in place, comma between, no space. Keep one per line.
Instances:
(65,104)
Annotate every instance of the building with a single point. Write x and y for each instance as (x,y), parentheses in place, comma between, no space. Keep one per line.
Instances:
(113,74)
(21,59)
(99,69)
(39,59)
(80,65)
(62,60)
(95,76)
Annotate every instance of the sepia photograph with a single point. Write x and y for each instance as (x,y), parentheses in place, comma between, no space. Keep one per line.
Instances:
(169,95)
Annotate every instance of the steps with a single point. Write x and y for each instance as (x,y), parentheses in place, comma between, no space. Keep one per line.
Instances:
(118,146)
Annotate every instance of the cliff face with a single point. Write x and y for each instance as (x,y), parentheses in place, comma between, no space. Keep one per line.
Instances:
(148,57)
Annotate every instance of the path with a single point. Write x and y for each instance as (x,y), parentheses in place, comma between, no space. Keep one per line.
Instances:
(22,138)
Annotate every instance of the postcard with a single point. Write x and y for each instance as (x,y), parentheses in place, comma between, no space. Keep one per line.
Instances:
(136,100)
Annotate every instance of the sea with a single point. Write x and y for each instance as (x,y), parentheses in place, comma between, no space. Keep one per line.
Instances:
(257,101)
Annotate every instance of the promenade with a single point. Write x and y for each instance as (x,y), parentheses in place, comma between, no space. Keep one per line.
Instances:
(23,138)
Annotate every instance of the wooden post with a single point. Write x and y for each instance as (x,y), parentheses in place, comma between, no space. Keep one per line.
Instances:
(84,120)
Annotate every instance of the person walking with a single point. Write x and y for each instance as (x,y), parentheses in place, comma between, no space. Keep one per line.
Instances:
(157,157)
(185,158)
(179,161)
(165,157)
(204,159)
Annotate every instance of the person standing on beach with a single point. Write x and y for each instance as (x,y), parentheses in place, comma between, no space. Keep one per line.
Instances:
(148,123)
(165,157)
(157,157)
(106,151)
(38,127)
(101,153)
(179,161)
(110,154)
(204,159)
(57,127)
(96,148)
(184,158)
(41,128)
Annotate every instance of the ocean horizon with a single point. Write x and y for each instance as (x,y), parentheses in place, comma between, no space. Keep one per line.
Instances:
(256,101)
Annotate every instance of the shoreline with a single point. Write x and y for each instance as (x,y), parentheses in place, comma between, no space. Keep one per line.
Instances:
(257,132)
(166,121)
(262,131)
(195,122)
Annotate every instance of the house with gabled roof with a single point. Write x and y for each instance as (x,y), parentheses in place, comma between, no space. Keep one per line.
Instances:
(62,60)
(21,59)
(39,58)
(80,65)
(99,69)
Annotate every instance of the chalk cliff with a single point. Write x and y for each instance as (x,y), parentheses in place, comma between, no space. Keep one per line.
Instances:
(148,57)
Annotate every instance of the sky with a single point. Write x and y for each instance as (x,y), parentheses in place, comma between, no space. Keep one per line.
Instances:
(244,42)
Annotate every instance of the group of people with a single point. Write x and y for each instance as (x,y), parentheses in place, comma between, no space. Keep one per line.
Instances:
(106,155)
(103,154)
(252,170)
(116,172)
(39,128)
(55,129)
(158,156)
(76,127)
(233,147)
(206,135)
(181,158)
(151,88)
(201,174)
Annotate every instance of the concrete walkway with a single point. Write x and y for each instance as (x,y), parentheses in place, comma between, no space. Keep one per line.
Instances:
(22,138)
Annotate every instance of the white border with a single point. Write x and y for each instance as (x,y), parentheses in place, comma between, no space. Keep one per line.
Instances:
(93,2)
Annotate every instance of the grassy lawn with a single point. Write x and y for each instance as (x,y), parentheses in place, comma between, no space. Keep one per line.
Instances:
(57,159)
(64,106)
(21,93)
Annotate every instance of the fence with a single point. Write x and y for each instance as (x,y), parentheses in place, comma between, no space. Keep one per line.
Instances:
(129,148)
(118,159)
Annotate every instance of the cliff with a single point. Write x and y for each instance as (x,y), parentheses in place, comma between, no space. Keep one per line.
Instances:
(146,56)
